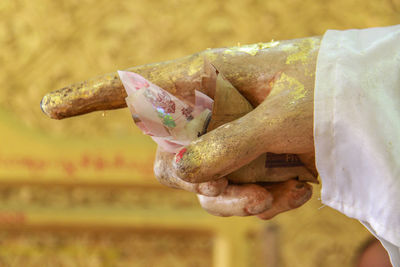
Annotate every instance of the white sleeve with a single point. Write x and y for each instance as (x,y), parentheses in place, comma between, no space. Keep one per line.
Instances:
(357,128)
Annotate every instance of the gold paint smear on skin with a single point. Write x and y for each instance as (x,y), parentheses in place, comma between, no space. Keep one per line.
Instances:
(49,102)
(197,64)
(302,51)
(57,98)
(286,82)
(250,49)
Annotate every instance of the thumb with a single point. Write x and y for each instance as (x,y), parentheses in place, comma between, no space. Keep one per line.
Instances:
(222,150)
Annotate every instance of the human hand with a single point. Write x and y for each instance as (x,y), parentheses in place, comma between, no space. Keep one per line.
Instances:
(218,197)
(281,124)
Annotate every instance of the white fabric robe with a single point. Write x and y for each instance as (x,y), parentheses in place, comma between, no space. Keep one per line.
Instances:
(357,128)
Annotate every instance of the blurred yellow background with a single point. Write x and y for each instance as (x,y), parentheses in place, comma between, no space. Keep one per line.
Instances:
(80,192)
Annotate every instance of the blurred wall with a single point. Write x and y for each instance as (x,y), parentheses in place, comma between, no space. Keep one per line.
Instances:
(81,192)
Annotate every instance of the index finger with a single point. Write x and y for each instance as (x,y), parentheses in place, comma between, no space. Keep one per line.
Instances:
(101,93)
(179,77)
(248,68)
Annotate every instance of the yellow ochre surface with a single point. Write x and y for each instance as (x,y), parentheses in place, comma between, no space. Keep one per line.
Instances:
(80,192)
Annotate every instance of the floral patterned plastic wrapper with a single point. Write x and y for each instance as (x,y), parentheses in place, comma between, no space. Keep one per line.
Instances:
(171,122)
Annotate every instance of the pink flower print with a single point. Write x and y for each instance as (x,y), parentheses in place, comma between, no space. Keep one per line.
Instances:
(187,112)
(164,101)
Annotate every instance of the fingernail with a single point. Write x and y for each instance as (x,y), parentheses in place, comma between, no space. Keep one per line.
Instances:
(185,166)
(300,185)
(212,188)
(260,206)
(207,190)
(257,209)
(299,197)
(179,155)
